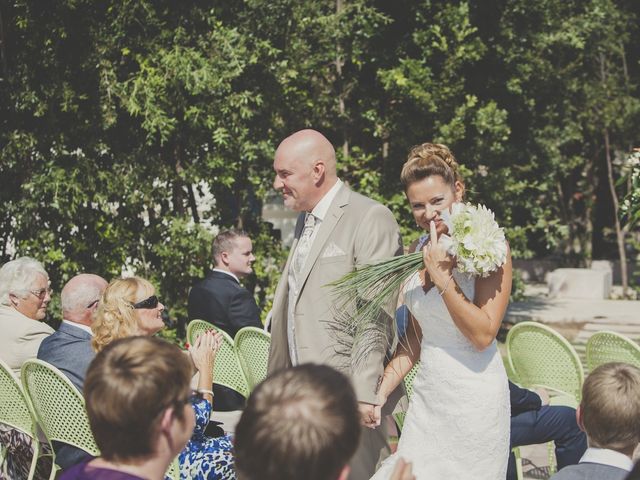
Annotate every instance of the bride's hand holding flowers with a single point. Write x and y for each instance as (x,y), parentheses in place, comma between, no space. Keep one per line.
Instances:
(437,260)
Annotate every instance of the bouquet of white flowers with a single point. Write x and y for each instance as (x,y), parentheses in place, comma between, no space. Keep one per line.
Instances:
(474,239)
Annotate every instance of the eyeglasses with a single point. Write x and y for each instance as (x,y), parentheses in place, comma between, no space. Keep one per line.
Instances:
(147,303)
(42,292)
(194,397)
(94,303)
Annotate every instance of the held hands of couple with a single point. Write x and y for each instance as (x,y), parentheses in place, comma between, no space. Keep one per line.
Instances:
(371,414)
(437,261)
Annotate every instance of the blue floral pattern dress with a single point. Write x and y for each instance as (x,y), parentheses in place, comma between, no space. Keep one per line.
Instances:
(206,458)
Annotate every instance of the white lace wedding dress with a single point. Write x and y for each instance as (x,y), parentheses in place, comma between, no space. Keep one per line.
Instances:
(457,425)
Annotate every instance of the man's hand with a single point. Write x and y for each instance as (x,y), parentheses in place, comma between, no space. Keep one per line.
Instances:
(403,471)
(544,396)
(368,415)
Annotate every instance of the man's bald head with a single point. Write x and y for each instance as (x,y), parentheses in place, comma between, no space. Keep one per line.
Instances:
(80,296)
(305,165)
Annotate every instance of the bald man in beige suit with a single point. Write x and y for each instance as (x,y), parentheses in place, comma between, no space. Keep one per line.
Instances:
(337,230)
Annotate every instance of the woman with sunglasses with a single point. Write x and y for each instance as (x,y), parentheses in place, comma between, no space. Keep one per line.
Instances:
(129,307)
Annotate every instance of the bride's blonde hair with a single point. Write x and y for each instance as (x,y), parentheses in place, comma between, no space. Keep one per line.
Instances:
(115,317)
(430,159)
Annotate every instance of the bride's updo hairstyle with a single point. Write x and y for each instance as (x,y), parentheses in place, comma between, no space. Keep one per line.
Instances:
(115,317)
(427,160)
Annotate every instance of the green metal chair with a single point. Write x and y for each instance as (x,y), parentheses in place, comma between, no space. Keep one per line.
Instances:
(541,357)
(58,405)
(16,412)
(408,386)
(252,346)
(60,409)
(606,346)
(227,369)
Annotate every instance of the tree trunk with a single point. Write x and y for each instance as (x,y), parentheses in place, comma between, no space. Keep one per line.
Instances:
(614,196)
(619,232)
(342,109)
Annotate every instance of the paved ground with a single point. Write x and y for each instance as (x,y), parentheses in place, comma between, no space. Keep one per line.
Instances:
(577,320)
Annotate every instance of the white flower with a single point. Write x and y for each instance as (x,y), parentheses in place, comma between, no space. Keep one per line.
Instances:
(477,242)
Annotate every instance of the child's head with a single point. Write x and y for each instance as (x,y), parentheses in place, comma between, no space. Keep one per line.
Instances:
(610,409)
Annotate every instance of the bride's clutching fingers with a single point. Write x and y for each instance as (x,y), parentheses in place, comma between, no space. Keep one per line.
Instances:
(437,260)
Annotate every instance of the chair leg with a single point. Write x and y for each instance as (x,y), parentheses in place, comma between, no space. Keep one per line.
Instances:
(516,454)
(551,448)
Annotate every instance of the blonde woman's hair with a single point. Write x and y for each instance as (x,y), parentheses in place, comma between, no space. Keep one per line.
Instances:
(427,160)
(115,317)
(610,406)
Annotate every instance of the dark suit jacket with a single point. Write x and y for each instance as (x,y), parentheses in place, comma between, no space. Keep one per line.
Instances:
(69,350)
(221,300)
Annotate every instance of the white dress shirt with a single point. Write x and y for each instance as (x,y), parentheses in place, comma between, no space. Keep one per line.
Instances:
(320,212)
(604,456)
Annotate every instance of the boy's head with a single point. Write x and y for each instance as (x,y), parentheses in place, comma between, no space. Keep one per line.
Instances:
(301,422)
(610,409)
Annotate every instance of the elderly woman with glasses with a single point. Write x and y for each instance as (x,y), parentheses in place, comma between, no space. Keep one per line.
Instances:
(24,296)
(129,307)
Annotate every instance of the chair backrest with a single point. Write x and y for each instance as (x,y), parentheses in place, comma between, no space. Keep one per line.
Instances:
(409,378)
(252,346)
(58,405)
(15,410)
(227,370)
(541,357)
(606,346)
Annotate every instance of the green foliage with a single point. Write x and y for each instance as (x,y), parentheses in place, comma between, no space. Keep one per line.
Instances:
(117,120)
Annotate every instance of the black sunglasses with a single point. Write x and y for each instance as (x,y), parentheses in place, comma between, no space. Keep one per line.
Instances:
(151,302)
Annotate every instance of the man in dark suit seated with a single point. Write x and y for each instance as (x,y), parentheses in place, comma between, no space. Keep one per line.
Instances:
(534,421)
(69,348)
(221,300)
(609,413)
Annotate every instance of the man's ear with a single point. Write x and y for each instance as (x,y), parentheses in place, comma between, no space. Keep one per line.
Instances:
(344,473)
(319,168)
(167,420)
(224,258)
(579,418)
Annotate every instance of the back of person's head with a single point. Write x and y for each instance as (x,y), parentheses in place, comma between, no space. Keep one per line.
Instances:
(80,294)
(18,276)
(300,422)
(225,241)
(115,317)
(610,407)
(128,386)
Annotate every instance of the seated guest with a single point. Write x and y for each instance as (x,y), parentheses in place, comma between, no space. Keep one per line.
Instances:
(139,405)
(534,421)
(24,297)
(302,422)
(219,298)
(129,307)
(609,413)
(69,348)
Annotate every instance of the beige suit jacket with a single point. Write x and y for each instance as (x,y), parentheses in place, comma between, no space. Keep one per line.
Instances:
(20,337)
(355,231)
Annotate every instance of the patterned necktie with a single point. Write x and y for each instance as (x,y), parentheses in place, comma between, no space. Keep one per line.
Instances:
(304,244)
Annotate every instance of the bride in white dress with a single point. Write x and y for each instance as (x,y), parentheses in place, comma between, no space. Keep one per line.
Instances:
(457,424)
